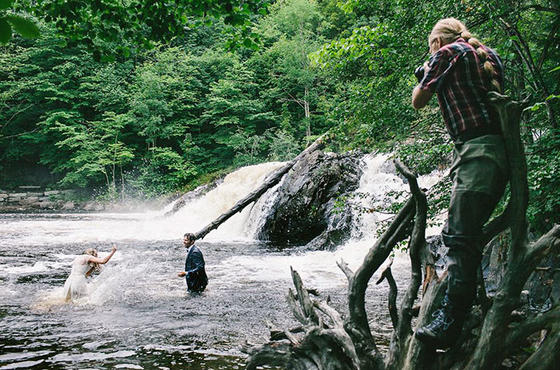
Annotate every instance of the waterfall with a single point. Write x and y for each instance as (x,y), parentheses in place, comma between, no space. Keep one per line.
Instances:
(377,181)
(201,211)
(377,185)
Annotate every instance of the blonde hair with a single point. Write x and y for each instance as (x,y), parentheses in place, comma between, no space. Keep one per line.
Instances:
(449,30)
(93,252)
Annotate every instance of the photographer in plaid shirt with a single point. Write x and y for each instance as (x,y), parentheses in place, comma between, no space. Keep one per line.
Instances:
(461,71)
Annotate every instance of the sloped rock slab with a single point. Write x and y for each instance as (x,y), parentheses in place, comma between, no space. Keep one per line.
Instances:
(308,209)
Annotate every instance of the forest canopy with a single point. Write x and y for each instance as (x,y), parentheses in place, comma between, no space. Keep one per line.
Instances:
(150,97)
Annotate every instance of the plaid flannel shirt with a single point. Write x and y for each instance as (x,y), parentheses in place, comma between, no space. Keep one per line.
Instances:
(455,73)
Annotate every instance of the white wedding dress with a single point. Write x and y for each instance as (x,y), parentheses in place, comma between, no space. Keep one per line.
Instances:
(76,284)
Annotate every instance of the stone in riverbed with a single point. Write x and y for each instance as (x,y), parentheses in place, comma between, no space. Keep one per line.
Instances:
(68,206)
(309,208)
(46,205)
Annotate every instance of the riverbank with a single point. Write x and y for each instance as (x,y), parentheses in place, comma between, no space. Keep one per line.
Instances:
(34,199)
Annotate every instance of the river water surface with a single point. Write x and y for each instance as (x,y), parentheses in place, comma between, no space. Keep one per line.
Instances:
(137,313)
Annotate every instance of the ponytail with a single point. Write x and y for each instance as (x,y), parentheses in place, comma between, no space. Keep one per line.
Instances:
(451,29)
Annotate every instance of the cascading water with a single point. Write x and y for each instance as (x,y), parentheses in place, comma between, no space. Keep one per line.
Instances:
(137,313)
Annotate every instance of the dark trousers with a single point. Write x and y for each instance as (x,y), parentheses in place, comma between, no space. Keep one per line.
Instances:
(468,212)
(478,184)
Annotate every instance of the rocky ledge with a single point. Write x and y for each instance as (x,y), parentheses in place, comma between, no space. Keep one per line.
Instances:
(29,198)
(33,199)
(309,208)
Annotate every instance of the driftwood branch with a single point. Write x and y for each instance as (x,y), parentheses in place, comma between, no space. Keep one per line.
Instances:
(403,331)
(417,242)
(392,300)
(548,354)
(277,355)
(303,298)
(373,260)
(272,180)
(546,243)
(344,267)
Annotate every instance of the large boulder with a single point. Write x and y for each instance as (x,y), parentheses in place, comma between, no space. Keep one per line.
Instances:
(309,207)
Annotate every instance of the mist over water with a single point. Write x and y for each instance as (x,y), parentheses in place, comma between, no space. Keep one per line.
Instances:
(137,313)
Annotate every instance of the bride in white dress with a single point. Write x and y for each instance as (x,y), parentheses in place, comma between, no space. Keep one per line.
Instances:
(82,266)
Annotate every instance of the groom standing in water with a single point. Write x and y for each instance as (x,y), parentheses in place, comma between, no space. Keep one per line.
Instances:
(194,273)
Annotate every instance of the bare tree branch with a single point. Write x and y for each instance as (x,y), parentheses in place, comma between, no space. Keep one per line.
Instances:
(546,243)
(344,267)
(548,354)
(392,300)
(417,241)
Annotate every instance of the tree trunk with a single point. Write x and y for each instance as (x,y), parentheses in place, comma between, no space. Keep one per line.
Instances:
(307,113)
(272,180)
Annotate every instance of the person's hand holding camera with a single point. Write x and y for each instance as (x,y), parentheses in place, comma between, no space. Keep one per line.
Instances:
(420,71)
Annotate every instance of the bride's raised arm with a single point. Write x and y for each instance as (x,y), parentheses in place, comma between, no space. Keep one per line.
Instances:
(103,260)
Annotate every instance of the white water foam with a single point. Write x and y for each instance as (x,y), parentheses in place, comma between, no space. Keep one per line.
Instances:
(319,268)
(200,212)
(112,227)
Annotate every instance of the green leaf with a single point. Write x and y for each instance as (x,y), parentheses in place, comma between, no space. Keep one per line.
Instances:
(554,69)
(24,26)
(5,31)
(5,4)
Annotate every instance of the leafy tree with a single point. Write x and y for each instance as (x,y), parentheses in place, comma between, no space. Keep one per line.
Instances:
(95,147)
(291,32)
(137,24)
(11,21)
(232,112)
(163,95)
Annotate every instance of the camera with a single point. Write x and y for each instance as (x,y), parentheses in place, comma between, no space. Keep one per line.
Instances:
(419,73)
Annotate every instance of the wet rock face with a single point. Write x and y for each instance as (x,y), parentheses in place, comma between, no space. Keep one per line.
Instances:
(542,290)
(309,209)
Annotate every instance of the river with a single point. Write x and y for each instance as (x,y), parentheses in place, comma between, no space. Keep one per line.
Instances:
(137,314)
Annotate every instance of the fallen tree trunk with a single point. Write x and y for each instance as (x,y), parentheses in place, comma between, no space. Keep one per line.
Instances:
(272,180)
(327,342)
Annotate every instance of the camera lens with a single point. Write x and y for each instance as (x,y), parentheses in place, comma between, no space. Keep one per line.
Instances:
(419,73)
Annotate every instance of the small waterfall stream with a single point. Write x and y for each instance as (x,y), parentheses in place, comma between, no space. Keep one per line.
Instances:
(138,314)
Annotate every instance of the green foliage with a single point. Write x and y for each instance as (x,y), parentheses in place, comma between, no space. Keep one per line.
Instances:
(543,161)
(114,29)
(95,148)
(163,170)
(10,22)
(426,154)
